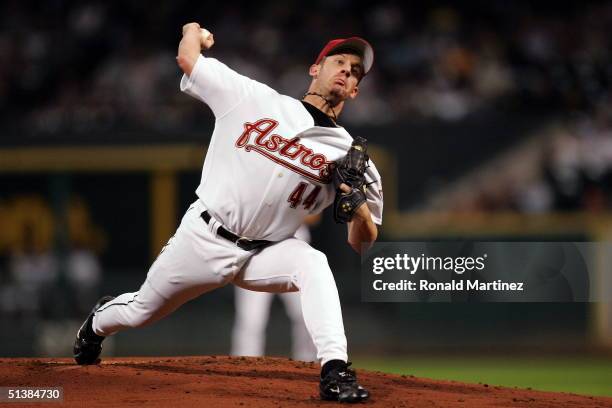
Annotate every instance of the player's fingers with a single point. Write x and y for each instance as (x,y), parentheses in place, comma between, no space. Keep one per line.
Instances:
(189,26)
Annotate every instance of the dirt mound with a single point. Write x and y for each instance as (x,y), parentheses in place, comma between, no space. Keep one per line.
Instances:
(251,382)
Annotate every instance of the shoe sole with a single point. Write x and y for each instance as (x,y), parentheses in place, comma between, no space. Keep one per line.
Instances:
(326,397)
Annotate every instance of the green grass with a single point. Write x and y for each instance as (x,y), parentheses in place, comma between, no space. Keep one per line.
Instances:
(588,375)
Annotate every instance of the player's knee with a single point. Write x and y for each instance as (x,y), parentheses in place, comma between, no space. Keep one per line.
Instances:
(315,267)
(316,260)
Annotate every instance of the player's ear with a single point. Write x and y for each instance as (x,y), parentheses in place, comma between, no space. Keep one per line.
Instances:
(354,92)
(314,70)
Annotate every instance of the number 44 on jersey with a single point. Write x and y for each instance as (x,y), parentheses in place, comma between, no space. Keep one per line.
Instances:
(295,198)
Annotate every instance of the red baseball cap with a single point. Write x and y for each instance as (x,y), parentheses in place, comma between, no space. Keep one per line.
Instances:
(357,44)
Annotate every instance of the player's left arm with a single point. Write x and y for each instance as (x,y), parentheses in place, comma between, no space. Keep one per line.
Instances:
(359,200)
(362,230)
(363,226)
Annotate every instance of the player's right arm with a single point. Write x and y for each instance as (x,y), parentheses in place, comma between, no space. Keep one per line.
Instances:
(207,79)
(189,48)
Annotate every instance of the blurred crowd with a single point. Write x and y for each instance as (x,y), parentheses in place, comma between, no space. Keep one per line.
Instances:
(566,166)
(45,270)
(45,284)
(574,171)
(93,67)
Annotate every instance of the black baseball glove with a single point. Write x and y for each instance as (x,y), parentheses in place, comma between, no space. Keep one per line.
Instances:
(350,170)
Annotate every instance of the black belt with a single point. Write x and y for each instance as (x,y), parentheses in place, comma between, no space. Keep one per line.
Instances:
(241,242)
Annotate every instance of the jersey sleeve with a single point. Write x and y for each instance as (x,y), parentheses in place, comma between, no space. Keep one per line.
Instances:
(217,85)
(374,193)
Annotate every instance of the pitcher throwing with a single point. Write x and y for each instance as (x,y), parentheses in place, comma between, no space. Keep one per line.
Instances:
(272,160)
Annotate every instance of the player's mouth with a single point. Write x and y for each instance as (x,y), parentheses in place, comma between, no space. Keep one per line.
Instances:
(340,81)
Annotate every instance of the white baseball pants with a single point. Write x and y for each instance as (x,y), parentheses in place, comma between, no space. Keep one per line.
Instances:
(196,261)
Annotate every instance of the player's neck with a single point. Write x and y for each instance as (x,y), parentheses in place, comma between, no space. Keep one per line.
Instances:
(323,104)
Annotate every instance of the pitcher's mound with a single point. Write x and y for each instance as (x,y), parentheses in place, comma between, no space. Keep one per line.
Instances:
(252,382)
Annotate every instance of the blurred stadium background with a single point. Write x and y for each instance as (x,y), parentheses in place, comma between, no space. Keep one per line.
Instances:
(488,120)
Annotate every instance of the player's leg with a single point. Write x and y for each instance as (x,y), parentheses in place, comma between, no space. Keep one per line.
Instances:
(301,343)
(294,265)
(193,262)
(250,321)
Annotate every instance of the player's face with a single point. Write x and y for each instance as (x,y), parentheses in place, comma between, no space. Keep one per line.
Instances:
(339,75)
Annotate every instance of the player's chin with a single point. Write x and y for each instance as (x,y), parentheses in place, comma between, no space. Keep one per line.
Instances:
(339,92)
(340,88)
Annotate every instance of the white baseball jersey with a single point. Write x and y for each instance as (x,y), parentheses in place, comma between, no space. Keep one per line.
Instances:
(268,165)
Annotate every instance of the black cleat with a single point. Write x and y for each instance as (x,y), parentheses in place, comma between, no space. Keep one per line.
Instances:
(341,385)
(88,345)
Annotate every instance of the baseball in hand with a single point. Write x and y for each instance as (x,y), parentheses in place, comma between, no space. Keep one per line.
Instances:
(206,38)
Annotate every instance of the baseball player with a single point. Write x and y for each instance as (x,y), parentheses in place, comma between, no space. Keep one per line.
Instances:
(272,160)
(253,309)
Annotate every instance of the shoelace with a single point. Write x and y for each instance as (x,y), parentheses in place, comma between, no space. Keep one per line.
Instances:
(348,374)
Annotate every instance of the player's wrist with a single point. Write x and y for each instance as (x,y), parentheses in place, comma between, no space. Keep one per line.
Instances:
(362,213)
